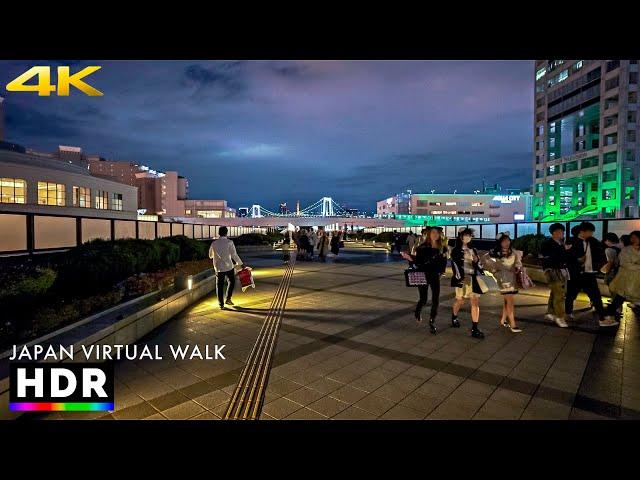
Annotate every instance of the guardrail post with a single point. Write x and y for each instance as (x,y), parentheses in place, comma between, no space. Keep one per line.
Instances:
(78,231)
(30,233)
(113,230)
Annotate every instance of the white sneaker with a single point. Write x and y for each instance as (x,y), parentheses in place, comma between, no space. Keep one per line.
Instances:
(609,321)
(560,322)
(549,317)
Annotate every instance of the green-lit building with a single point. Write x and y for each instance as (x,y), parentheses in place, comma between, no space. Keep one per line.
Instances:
(585,149)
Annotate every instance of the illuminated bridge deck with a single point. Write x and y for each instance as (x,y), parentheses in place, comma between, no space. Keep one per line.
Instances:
(348,348)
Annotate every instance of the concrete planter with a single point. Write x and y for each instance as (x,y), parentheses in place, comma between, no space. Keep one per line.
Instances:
(122,329)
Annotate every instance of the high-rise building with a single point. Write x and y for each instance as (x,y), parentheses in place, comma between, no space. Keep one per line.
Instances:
(585,139)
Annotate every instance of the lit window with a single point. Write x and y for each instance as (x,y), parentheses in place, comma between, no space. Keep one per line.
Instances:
(578,65)
(116,201)
(450,203)
(102,200)
(541,73)
(82,197)
(552,127)
(51,194)
(13,190)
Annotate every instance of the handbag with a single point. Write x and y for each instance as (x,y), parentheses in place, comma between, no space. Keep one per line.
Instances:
(523,279)
(415,278)
(246,278)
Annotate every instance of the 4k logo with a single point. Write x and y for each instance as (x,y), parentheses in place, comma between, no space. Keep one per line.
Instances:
(65,81)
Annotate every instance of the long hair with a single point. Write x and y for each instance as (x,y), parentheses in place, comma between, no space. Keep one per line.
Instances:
(497,250)
(462,233)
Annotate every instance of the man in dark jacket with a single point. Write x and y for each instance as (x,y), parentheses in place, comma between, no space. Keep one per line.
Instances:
(586,257)
(554,264)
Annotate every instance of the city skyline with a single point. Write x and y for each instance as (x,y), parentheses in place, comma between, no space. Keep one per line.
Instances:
(389,125)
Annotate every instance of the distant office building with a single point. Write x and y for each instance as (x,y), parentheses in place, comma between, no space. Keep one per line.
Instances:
(72,155)
(159,193)
(585,147)
(43,184)
(462,208)
(283,208)
(398,204)
(207,209)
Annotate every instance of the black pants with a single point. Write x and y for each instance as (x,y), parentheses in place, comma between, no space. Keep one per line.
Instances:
(423,290)
(587,283)
(230,274)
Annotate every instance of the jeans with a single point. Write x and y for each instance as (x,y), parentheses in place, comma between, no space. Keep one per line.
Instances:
(230,275)
(423,290)
(588,283)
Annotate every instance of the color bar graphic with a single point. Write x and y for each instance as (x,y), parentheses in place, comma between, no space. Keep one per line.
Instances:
(60,407)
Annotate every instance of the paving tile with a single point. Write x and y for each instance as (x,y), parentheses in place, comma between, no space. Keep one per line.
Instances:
(305,396)
(183,411)
(328,406)
(354,413)
(375,404)
(402,412)
(281,408)
(305,414)
(348,394)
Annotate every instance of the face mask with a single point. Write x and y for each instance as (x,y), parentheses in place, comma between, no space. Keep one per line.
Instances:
(466,239)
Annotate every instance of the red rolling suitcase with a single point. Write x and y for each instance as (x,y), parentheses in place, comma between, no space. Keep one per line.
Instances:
(246,278)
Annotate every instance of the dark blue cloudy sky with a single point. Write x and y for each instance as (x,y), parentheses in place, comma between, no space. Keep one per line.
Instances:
(270,131)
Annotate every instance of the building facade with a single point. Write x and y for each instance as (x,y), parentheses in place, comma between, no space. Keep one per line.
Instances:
(585,139)
(1,119)
(207,209)
(159,193)
(42,184)
(398,204)
(462,209)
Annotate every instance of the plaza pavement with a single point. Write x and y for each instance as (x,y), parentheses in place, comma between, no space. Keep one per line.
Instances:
(348,348)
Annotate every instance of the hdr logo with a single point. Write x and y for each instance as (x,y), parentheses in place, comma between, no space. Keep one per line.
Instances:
(65,81)
(79,387)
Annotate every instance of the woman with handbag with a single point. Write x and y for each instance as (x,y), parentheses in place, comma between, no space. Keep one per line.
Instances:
(429,259)
(466,267)
(505,264)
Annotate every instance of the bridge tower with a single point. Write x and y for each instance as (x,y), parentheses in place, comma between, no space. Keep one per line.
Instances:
(327,207)
(298,207)
(256,211)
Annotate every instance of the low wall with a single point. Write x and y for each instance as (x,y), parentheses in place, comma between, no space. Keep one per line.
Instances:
(119,331)
(537,275)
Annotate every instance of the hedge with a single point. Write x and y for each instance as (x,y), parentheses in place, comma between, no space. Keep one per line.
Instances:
(529,244)
(253,239)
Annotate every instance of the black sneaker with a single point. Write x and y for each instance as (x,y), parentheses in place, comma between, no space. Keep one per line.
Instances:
(229,302)
(455,323)
(222,307)
(477,334)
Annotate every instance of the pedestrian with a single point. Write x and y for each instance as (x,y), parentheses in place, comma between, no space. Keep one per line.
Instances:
(430,259)
(466,267)
(323,245)
(586,257)
(395,241)
(555,266)
(625,240)
(335,242)
(625,286)
(223,253)
(612,250)
(286,247)
(303,247)
(411,243)
(313,239)
(505,263)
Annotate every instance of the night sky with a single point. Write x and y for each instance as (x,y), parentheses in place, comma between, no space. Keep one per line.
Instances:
(270,131)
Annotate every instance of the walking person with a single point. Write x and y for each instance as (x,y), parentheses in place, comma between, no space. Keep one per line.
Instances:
(586,257)
(303,246)
(429,258)
(611,252)
(286,247)
(625,286)
(323,245)
(313,240)
(223,253)
(466,267)
(555,266)
(506,263)
(335,242)
(395,242)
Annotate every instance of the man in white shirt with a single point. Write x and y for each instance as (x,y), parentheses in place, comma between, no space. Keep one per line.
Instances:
(223,253)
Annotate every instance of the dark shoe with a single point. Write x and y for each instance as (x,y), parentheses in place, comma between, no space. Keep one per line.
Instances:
(418,320)
(229,302)
(222,307)
(455,323)
(477,334)
(432,327)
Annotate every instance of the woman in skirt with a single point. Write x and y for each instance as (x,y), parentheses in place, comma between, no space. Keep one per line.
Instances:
(505,264)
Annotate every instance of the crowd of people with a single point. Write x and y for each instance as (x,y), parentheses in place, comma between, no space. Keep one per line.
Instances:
(307,241)
(570,266)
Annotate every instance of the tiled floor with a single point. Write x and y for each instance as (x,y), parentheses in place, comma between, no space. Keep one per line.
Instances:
(348,348)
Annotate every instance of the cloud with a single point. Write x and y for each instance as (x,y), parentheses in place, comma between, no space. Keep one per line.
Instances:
(226,79)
